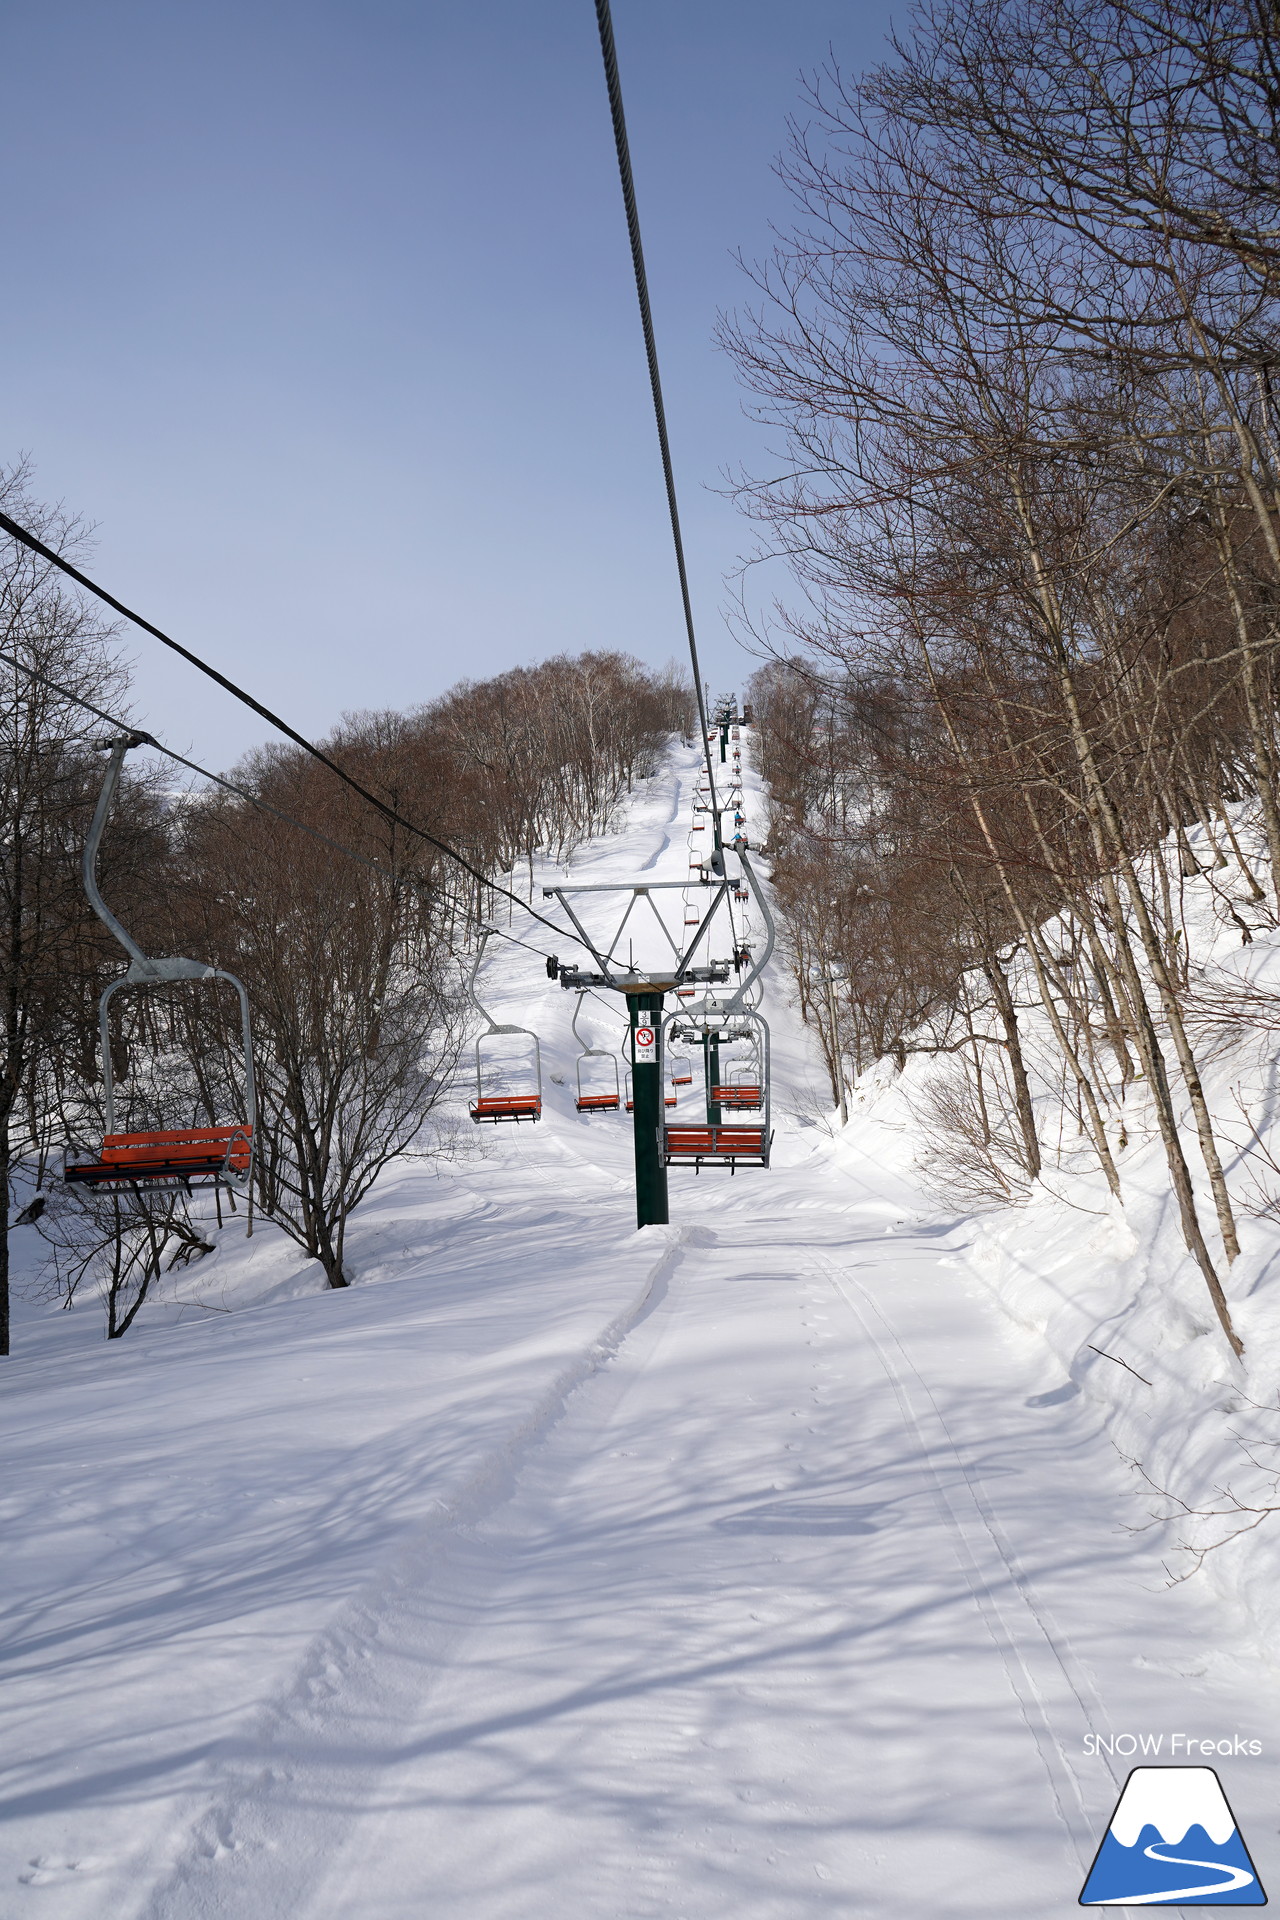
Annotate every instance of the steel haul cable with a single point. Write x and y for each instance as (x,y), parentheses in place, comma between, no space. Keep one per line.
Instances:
(242,793)
(29,540)
(604,20)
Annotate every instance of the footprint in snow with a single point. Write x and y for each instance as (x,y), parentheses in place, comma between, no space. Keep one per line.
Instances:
(46,1870)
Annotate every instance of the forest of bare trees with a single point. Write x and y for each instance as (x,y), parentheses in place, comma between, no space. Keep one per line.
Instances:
(353,960)
(1022,349)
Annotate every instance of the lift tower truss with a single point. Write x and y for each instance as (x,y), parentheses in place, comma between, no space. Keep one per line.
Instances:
(645,990)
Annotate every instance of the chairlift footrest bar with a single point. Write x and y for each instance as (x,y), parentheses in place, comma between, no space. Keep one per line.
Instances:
(496,1108)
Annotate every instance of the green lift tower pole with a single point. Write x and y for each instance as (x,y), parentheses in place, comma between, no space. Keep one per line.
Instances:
(711,1057)
(646,1091)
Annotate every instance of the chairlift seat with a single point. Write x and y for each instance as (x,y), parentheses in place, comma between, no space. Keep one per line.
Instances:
(727,1145)
(739,1094)
(507,1106)
(597,1102)
(175,1156)
(682,1079)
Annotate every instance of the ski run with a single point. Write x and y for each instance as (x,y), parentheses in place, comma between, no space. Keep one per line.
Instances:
(781,1563)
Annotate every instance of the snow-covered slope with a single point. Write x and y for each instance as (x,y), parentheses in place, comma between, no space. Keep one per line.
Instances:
(754,1566)
(1108,1286)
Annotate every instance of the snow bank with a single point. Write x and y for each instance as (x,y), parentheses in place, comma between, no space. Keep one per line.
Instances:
(1111,1288)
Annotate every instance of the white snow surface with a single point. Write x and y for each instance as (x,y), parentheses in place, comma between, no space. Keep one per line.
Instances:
(772,1565)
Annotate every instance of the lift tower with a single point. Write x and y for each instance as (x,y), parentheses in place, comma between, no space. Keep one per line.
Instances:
(645,992)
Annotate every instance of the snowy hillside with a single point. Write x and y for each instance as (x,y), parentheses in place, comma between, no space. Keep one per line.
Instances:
(772,1564)
(1108,1283)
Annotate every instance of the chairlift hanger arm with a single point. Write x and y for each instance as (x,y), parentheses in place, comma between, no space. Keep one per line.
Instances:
(473,996)
(685,972)
(141,967)
(492,1026)
(770,931)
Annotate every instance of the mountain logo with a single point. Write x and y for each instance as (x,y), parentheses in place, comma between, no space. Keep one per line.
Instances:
(1172,1842)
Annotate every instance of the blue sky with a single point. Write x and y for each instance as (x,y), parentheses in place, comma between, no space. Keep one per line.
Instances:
(323,314)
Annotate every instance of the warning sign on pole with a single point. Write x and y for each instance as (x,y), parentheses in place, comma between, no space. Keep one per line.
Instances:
(646,1046)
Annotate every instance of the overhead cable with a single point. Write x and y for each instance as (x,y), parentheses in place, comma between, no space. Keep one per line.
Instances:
(29,540)
(241,793)
(623,148)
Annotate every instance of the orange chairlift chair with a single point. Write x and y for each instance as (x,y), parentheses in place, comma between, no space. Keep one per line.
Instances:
(493,1105)
(595,1099)
(168,1157)
(742,1092)
(724,1143)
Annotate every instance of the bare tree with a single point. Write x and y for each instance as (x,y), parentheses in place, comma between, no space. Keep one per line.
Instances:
(48,955)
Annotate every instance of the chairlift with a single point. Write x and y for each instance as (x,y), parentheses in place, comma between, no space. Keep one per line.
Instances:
(589,1101)
(681,1070)
(741,1094)
(741,1090)
(170,1157)
(495,1106)
(717,1143)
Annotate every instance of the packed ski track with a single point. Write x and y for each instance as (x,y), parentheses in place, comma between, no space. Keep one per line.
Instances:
(754,1566)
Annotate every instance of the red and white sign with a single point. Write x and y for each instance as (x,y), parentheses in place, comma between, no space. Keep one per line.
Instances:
(646,1046)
